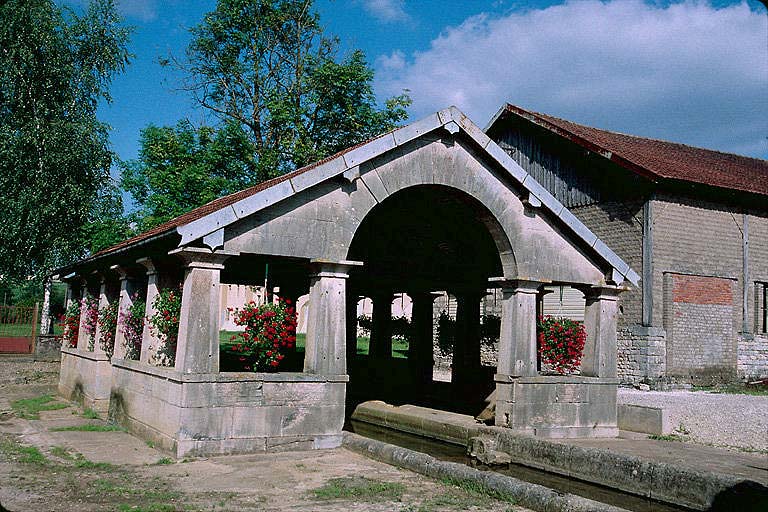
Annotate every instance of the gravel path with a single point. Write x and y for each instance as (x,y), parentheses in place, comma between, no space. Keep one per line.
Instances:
(725,420)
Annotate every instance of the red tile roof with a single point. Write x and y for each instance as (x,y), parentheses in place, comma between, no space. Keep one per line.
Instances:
(658,159)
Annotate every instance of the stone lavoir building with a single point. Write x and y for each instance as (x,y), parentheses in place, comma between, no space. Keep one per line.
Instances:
(432,206)
(693,222)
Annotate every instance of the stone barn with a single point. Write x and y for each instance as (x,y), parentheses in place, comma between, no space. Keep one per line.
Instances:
(693,221)
(436,205)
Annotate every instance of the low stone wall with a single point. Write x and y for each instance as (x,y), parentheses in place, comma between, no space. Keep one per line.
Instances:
(48,348)
(753,357)
(223,413)
(85,377)
(642,354)
(557,406)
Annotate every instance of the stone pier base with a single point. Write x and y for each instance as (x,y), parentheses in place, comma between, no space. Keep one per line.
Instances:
(86,378)
(557,406)
(223,413)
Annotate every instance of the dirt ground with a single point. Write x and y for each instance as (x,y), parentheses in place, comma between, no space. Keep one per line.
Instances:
(70,460)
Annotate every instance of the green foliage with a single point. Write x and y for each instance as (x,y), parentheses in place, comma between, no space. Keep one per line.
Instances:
(108,324)
(182,167)
(165,324)
(106,225)
(29,408)
(71,325)
(267,67)
(55,68)
(132,324)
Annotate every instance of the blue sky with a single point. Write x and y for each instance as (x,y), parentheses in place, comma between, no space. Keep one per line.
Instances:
(692,72)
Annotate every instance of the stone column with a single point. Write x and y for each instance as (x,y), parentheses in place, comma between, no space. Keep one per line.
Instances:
(82,341)
(466,350)
(517,340)
(600,311)
(149,342)
(380,345)
(103,302)
(420,346)
(198,346)
(325,351)
(125,301)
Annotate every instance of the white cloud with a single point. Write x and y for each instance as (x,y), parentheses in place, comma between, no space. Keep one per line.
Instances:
(388,11)
(687,72)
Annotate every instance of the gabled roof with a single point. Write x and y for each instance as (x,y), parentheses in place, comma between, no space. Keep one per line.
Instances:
(655,159)
(210,218)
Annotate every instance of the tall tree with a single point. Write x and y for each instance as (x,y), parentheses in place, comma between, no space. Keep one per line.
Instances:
(55,68)
(266,66)
(182,167)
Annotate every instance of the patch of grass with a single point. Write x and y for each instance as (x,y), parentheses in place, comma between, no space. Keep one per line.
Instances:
(90,414)
(164,461)
(119,490)
(734,389)
(360,489)
(666,437)
(23,454)
(29,408)
(89,428)
(82,463)
(62,453)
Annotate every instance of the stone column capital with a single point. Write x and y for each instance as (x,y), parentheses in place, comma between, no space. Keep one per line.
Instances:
(337,269)
(601,292)
(148,264)
(199,257)
(516,285)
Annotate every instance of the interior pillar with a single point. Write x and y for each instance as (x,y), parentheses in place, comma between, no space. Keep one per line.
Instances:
(420,346)
(600,312)
(197,350)
(325,351)
(351,313)
(381,325)
(466,351)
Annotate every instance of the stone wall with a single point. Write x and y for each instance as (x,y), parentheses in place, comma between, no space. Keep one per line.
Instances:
(642,354)
(620,225)
(85,377)
(753,357)
(220,413)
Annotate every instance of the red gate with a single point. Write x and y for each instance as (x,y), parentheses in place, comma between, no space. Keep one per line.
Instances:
(18,327)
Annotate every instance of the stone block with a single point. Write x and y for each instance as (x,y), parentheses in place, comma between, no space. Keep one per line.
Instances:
(648,420)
